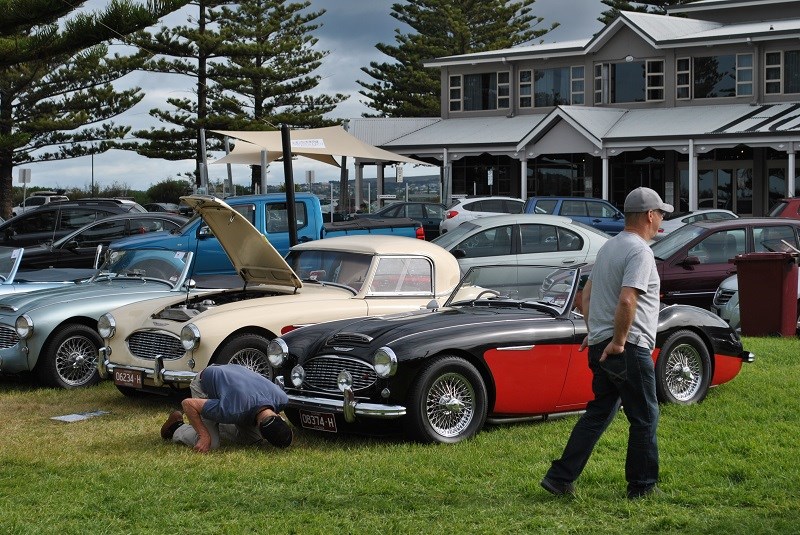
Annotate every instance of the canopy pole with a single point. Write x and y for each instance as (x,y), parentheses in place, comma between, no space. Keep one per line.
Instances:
(291,214)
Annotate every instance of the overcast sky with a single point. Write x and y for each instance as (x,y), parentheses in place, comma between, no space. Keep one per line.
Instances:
(350,31)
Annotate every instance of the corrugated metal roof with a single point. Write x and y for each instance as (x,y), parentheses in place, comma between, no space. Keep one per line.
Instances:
(470,131)
(596,121)
(660,28)
(380,131)
(694,121)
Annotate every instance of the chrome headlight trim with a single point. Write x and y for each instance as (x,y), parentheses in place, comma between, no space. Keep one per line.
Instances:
(24,327)
(385,362)
(277,352)
(107,326)
(190,337)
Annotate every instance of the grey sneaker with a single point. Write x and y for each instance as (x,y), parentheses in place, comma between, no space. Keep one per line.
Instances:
(558,489)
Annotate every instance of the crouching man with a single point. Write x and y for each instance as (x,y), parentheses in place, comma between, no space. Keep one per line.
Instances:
(230,402)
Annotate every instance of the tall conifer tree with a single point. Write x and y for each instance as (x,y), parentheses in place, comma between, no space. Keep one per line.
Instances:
(56,79)
(644,6)
(403,87)
(255,71)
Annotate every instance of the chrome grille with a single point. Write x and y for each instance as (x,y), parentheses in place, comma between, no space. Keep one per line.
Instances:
(722,297)
(8,337)
(349,338)
(321,372)
(150,344)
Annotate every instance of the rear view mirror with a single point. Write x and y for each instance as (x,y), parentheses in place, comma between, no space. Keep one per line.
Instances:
(689,261)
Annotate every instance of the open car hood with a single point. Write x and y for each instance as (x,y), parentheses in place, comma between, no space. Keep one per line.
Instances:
(254,258)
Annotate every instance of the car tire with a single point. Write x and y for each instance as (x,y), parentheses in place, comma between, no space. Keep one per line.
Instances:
(69,358)
(683,369)
(248,350)
(447,402)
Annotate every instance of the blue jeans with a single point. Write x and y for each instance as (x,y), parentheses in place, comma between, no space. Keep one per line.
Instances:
(627,379)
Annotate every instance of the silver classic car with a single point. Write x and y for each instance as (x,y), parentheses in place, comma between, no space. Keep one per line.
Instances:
(54,332)
(162,344)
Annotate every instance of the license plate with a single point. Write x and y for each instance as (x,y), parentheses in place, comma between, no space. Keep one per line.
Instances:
(320,421)
(129,378)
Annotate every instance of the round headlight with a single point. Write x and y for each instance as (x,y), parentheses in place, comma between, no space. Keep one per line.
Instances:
(106,326)
(24,326)
(385,362)
(277,351)
(190,337)
(298,375)
(344,380)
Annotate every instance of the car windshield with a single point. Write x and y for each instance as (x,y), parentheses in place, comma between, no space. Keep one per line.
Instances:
(8,259)
(777,209)
(589,228)
(538,286)
(149,264)
(673,241)
(449,239)
(338,267)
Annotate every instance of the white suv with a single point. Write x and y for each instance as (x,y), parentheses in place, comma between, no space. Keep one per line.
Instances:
(36,200)
(470,208)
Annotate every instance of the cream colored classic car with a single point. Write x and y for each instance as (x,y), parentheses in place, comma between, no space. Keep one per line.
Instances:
(162,343)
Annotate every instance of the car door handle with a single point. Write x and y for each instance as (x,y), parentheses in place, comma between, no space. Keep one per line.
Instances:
(568,261)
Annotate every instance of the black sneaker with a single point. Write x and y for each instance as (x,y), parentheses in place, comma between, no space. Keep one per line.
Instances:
(648,492)
(558,489)
(174,421)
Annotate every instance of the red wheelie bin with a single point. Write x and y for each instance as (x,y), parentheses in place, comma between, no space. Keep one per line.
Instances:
(767,293)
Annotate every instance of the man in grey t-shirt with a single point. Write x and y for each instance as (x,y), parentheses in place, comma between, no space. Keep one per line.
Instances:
(620,304)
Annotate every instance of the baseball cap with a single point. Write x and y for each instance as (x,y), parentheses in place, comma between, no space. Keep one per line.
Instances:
(643,199)
(276,431)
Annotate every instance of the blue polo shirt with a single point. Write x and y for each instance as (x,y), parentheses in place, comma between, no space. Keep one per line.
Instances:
(236,394)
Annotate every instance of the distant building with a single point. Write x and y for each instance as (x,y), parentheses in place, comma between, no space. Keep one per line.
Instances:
(702,105)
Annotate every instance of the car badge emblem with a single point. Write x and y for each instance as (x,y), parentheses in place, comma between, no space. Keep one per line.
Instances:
(343,348)
(160,323)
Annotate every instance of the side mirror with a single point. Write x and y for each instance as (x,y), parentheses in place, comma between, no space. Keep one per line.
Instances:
(689,261)
(204,232)
(459,253)
(189,284)
(619,216)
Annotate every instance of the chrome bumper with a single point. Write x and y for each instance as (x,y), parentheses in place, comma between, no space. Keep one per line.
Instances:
(746,356)
(157,373)
(346,406)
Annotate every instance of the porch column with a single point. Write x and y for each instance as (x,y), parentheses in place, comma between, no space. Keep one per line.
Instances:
(359,181)
(523,180)
(447,178)
(790,176)
(380,185)
(692,177)
(606,187)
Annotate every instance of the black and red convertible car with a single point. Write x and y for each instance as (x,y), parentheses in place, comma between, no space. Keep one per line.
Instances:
(504,346)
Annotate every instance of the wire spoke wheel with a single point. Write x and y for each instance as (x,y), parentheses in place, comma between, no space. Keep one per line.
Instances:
(76,361)
(683,369)
(450,404)
(253,359)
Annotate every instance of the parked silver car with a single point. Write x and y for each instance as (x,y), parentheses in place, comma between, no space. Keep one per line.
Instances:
(14,281)
(54,332)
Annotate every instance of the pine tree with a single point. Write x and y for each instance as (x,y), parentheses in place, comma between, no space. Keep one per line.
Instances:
(259,65)
(644,6)
(185,50)
(56,92)
(403,87)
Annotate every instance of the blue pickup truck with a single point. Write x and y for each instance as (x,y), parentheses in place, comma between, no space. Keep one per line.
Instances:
(269,215)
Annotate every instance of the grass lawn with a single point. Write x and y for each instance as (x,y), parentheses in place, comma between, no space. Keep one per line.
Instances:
(728,465)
